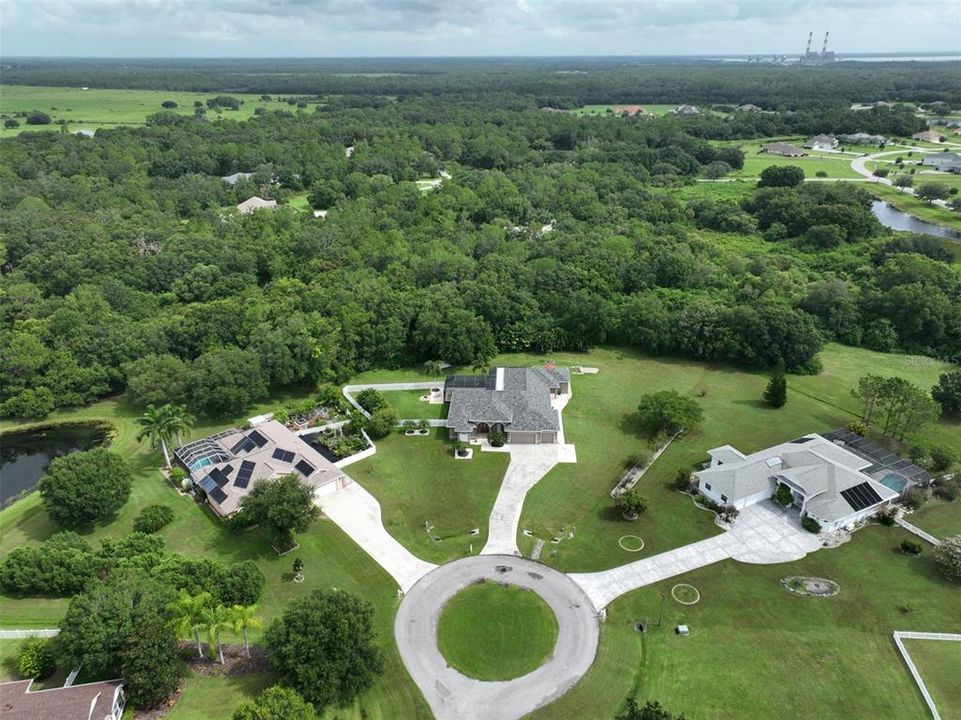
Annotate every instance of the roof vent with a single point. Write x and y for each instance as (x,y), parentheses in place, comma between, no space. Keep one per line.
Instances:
(774,461)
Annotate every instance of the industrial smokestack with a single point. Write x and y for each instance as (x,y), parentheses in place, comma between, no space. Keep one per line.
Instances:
(824,49)
(807,50)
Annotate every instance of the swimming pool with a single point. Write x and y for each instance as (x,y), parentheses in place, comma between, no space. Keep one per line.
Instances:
(894,481)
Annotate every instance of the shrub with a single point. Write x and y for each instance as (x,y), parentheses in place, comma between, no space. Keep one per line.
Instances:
(810,524)
(682,481)
(637,459)
(948,557)
(371,400)
(942,458)
(152,518)
(83,487)
(914,498)
(856,426)
(33,403)
(631,503)
(382,422)
(886,519)
(910,547)
(62,565)
(275,703)
(947,491)
(497,438)
(784,495)
(35,660)
(423,425)
(821,174)
(410,424)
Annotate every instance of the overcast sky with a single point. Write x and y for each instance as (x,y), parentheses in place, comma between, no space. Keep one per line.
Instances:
(338,28)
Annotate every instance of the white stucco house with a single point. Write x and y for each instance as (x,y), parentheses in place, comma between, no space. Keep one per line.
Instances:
(827,481)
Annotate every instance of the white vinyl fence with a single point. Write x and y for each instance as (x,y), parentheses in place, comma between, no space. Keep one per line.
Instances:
(908,635)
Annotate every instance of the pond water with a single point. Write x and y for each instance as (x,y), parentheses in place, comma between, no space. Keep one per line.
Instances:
(25,454)
(891,217)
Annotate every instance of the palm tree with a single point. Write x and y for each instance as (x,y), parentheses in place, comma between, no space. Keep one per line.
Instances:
(433,367)
(186,611)
(215,619)
(481,364)
(180,421)
(242,619)
(155,425)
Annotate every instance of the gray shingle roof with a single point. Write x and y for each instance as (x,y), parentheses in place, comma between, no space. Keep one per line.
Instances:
(520,398)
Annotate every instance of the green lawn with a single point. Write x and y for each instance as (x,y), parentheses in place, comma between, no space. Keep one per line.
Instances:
(939,664)
(941,519)
(417,480)
(602,109)
(751,641)
(836,165)
(496,632)
(210,697)
(97,107)
(408,405)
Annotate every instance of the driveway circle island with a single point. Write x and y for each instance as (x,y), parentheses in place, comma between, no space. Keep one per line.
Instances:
(452,695)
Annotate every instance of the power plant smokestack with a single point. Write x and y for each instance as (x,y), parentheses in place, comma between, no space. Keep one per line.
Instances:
(807,50)
(824,49)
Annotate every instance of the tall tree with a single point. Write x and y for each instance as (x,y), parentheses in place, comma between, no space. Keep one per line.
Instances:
(83,487)
(242,619)
(216,619)
(947,393)
(284,504)
(186,615)
(155,425)
(775,394)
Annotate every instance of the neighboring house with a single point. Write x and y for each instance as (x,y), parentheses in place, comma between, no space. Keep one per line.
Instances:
(256,203)
(828,480)
(861,138)
(629,110)
(90,701)
(226,465)
(871,106)
(929,136)
(686,110)
(944,161)
(780,148)
(513,400)
(321,214)
(236,177)
(748,108)
(821,142)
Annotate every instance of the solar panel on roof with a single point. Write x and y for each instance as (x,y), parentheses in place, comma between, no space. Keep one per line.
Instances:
(243,475)
(218,495)
(304,468)
(861,496)
(208,484)
(239,445)
(227,469)
(283,455)
(259,439)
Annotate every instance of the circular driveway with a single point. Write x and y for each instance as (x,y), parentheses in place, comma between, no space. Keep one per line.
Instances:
(453,696)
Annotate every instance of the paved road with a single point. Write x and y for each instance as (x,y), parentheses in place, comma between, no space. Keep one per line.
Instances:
(453,696)
(859,165)
(357,513)
(762,534)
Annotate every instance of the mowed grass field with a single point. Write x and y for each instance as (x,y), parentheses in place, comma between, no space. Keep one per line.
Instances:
(588,110)
(757,651)
(417,481)
(409,406)
(97,107)
(939,664)
(490,631)
(836,165)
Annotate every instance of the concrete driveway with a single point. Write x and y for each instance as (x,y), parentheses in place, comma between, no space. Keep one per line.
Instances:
(453,696)
(357,513)
(762,534)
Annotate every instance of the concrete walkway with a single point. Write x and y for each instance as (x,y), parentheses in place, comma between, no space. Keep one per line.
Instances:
(453,696)
(914,529)
(762,534)
(529,463)
(357,513)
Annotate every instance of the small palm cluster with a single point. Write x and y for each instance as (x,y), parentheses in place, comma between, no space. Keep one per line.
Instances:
(160,425)
(196,614)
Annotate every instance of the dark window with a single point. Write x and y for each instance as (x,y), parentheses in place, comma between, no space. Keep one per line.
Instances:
(723,498)
(707,486)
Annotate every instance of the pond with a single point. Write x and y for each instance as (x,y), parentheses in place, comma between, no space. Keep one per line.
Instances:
(891,217)
(25,454)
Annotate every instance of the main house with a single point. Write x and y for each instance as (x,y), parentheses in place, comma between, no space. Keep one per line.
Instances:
(225,466)
(513,400)
(943,161)
(828,480)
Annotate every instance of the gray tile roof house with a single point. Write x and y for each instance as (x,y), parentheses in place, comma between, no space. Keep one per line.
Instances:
(781,148)
(828,481)
(944,161)
(226,465)
(821,142)
(514,400)
(90,701)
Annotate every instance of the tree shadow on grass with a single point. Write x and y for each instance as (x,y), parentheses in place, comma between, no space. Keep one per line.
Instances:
(753,403)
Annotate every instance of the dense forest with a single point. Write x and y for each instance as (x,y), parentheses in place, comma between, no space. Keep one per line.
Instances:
(125,265)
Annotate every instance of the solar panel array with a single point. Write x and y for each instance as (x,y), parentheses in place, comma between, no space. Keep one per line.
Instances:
(245,444)
(243,475)
(218,477)
(218,495)
(861,496)
(304,468)
(258,438)
(208,484)
(283,455)
(882,458)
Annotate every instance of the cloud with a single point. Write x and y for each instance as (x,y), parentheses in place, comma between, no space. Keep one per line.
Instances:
(467,27)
